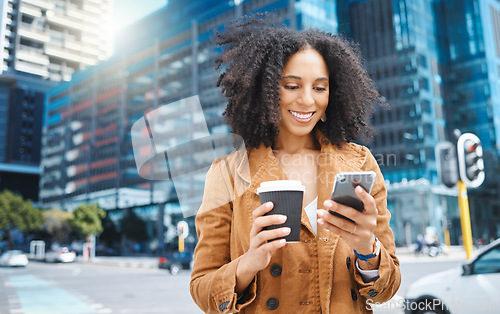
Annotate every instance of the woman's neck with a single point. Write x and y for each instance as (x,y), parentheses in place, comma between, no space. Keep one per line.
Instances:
(294,144)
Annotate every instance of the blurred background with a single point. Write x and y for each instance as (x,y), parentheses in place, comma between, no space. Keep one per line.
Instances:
(75,75)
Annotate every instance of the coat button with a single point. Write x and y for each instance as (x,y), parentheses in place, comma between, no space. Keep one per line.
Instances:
(348,262)
(276,270)
(354,296)
(272,303)
(223,306)
(372,293)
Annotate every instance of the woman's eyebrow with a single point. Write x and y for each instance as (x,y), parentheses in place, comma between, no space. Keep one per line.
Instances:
(299,78)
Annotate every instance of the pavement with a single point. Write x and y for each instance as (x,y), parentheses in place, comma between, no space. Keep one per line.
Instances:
(405,255)
(453,253)
(124,261)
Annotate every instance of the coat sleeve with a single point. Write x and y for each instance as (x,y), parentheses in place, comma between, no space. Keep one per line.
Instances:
(213,279)
(386,286)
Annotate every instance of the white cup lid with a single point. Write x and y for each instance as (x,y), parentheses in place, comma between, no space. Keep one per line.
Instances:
(281,185)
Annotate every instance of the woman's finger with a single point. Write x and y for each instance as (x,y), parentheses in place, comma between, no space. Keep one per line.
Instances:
(367,199)
(270,235)
(262,209)
(263,221)
(271,247)
(340,222)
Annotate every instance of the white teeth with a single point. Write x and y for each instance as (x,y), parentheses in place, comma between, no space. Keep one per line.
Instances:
(301,116)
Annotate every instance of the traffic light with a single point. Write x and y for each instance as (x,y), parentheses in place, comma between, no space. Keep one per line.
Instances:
(470,160)
(446,160)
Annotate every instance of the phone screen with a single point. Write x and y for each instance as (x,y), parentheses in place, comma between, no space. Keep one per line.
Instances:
(343,188)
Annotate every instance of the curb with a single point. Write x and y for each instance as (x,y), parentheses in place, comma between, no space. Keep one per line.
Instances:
(123,262)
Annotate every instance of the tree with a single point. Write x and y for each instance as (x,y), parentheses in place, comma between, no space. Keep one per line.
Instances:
(17,213)
(87,219)
(56,223)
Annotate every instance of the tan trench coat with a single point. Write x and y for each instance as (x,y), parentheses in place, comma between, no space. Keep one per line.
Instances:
(316,275)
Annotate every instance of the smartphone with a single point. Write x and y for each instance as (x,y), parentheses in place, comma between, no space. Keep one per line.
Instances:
(344,185)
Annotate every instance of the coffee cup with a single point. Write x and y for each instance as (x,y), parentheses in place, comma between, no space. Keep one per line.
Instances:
(286,195)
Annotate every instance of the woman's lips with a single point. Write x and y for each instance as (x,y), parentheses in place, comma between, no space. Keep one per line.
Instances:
(302,117)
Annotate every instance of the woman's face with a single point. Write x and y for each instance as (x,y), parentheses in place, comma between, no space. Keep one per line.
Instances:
(304,90)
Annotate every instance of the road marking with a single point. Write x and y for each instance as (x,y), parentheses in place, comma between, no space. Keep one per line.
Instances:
(39,296)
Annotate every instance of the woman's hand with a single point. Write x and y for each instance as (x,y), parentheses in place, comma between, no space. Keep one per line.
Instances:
(261,248)
(358,233)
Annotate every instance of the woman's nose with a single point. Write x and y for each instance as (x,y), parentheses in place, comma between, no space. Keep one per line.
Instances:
(307,98)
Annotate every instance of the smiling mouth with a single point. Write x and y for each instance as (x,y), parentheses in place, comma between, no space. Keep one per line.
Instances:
(301,115)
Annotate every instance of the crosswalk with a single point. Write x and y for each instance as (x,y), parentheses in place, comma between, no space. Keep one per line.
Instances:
(28,294)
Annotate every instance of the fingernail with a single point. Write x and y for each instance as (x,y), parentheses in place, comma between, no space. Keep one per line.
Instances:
(282,218)
(321,221)
(282,241)
(269,205)
(286,230)
(320,213)
(327,203)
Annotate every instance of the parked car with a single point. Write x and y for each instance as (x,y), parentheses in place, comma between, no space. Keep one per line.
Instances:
(473,288)
(63,255)
(175,261)
(13,258)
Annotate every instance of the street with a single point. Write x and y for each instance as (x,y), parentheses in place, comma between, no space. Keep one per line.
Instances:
(44,288)
(83,288)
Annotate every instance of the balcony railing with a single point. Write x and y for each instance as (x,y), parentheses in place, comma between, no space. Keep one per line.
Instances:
(32,68)
(29,10)
(75,12)
(48,5)
(53,17)
(32,55)
(37,34)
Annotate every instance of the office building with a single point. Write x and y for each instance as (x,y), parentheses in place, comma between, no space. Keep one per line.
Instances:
(42,43)
(412,50)
(469,47)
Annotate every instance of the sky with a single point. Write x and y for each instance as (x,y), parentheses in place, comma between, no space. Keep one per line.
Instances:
(126,12)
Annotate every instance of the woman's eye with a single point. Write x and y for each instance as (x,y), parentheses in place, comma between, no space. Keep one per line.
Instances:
(291,87)
(320,89)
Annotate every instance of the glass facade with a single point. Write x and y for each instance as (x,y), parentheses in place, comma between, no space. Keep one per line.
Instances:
(398,41)
(470,56)
(429,60)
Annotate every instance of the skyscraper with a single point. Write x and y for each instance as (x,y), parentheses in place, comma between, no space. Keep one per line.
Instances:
(43,43)
(469,48)
(426,59)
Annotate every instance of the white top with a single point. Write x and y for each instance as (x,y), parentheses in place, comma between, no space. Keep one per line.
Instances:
(311,211)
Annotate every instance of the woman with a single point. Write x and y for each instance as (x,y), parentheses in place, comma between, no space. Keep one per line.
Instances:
(298,100)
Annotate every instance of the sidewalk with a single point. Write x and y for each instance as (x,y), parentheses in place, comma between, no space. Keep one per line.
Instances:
(123,261)
(455,253)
